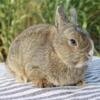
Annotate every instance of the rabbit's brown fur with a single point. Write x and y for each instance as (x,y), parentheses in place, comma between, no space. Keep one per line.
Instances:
(42,54)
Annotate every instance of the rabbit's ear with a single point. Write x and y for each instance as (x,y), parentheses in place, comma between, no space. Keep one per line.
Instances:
(73,16)
(60,18)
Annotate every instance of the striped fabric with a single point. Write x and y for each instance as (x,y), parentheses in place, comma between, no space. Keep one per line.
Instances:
(10,90)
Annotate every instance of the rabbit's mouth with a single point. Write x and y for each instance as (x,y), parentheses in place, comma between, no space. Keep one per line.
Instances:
(83,63)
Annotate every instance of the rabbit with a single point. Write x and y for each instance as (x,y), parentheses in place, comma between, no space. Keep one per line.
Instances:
(51,55)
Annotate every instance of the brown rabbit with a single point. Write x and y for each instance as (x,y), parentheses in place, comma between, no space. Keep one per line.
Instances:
(51,55)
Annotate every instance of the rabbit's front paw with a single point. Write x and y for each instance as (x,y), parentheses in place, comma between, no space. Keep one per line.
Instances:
(81,83)
(43,83)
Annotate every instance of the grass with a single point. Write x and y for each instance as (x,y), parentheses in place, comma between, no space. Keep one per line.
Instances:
(17,15)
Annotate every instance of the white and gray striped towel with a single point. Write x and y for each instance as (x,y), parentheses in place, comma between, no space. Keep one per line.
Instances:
(10,90)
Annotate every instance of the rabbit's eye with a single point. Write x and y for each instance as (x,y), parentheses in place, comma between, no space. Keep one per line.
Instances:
(72,42)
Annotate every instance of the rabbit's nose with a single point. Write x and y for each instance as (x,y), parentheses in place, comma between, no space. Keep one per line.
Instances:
(89,56)
(90,52)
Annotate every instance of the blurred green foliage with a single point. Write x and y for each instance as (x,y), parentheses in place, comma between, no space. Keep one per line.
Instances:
(17,15)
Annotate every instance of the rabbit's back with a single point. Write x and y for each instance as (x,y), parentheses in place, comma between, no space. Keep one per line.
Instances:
(30,48)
